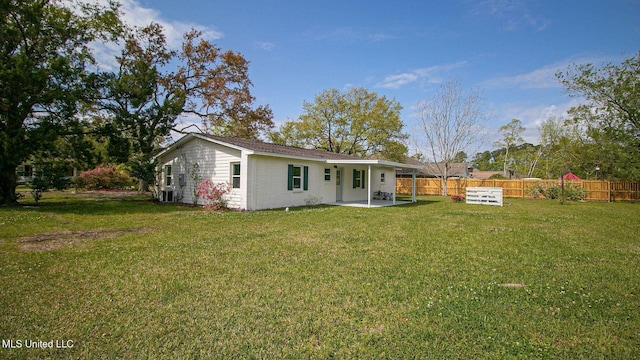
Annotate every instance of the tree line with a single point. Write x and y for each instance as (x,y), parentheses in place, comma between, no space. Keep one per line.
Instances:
(58,109)
(599,139)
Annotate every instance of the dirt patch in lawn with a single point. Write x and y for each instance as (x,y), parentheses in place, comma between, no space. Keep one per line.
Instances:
(53,241)
(512,285)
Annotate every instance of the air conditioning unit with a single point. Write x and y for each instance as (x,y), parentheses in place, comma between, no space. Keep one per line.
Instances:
(167,196)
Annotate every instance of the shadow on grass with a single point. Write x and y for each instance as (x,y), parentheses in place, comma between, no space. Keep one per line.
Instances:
(416,204)
(100,204)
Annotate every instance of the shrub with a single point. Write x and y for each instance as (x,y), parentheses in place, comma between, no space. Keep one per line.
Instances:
(103,178)
(49,175)
(213,194)
(571,192)
(574,193)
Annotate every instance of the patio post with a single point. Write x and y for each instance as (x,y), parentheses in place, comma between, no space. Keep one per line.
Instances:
(369,186)
(413,186)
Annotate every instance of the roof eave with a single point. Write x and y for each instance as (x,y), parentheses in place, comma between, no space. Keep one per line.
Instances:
(384,163)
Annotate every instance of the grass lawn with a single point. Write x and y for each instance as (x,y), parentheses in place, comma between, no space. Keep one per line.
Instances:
(122,277)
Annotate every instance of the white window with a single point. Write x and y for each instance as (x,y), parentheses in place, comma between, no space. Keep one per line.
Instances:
(298,177)
(235,175)
(327,174)
(382,177)
(358,179)
(168,177)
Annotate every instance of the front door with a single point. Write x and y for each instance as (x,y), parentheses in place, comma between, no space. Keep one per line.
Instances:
(339,184)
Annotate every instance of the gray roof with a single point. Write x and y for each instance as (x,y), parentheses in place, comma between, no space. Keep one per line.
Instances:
(456,169)
(433,169)
(264,147)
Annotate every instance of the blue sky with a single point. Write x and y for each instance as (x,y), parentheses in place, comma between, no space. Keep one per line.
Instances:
(507,49)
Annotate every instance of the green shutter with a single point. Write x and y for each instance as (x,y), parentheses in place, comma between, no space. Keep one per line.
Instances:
(305,180)
(355,175)
(362,181)
(290,179)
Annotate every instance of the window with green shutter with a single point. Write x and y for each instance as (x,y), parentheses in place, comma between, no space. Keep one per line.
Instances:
(358,179)
(298,177)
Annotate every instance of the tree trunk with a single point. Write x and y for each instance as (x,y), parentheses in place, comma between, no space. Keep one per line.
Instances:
(143,186)
(8,183)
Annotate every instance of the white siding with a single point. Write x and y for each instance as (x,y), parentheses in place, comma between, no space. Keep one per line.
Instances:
(214,163)
(349,193)
(268,183)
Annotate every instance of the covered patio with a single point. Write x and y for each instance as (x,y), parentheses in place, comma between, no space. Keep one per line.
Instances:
(382,193)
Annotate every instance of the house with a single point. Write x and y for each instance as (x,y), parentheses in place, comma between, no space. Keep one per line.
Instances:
(434,170)
(485,175)
(264,176)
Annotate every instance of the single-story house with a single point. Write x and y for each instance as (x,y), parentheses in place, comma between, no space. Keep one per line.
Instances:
(264,175)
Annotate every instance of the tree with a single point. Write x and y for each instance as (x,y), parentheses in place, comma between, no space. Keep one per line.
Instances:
(217,87)
(511,137)
(44,76)
(356,122)
(141,101)
(460,157)
(144,99)
(612,92)
(450,121)
(609,121)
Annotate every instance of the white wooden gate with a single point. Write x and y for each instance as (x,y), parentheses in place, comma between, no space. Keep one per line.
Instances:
(484,195)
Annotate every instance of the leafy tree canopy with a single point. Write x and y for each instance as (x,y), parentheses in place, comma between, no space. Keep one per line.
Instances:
(44,55)
(606,128)
(356,122)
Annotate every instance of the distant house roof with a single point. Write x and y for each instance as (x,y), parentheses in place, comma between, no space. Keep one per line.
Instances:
(571,176)
(433,169)
(484,175)
(455,170)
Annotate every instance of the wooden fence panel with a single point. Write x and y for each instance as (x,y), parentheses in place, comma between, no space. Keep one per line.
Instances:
(595,190)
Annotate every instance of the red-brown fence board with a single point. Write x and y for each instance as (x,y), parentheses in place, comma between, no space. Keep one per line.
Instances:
(595,190)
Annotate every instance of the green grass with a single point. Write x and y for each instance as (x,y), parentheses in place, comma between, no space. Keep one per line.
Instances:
(126,278)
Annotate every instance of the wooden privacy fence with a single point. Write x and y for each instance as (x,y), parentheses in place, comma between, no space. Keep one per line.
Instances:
(595,190)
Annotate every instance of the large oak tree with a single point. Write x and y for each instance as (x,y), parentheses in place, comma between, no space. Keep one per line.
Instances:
(147,94)
(44,57)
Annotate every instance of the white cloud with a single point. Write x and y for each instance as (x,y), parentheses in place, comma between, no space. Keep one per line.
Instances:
(533,116)
(265,45)
(135,15)
(431,74)
(515,14)
(347,33)
(544,77)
